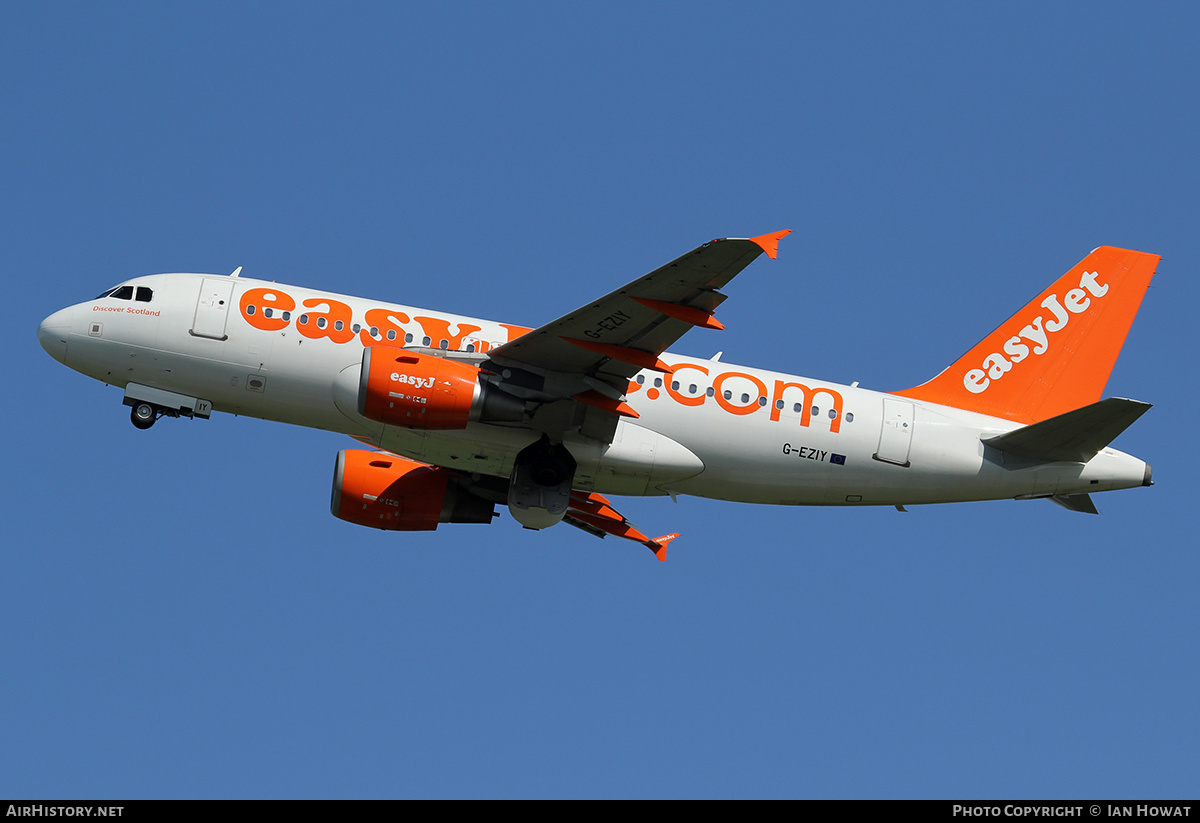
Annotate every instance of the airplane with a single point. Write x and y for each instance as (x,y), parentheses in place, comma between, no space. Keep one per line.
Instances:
(459,415)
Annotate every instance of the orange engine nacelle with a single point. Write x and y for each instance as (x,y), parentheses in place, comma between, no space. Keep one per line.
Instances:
(420,391)
(388,492)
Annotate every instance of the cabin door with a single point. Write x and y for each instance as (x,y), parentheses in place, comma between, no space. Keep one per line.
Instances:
(212,308)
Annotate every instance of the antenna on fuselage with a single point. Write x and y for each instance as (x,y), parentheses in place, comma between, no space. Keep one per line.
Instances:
(236,272)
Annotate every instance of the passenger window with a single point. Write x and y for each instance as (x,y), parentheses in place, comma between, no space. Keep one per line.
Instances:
(391,334)
(338,325)
(692,388)
(303,321)
(849,417)
(815,411)
(658,382)
(762,401)
(710,391)
(641,378)
(407,338)
(796,408)
(144,295)
(833,414)
(426,341)
(674,385)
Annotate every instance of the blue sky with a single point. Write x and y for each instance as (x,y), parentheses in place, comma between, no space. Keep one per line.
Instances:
(182,617)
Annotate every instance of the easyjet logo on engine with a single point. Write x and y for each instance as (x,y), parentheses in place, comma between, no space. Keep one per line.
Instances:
(415,382)
(1036,333)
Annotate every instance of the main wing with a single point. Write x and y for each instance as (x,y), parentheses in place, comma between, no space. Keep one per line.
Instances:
(615,337)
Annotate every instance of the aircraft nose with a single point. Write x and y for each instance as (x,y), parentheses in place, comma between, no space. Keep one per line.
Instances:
(52,334)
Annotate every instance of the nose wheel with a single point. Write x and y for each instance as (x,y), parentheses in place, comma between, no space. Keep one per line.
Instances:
(143,415)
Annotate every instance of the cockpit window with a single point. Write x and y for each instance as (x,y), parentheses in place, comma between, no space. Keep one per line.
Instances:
(144,295)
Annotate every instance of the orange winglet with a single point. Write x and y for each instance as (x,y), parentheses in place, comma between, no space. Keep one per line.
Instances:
(597,400)
(770,242)
(661,542)
(635,357)
(697,317)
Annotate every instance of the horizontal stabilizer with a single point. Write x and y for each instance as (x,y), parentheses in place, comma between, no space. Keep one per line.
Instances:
(1076,436)
(1076,502)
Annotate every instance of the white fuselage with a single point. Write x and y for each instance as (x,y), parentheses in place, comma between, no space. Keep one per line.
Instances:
(711,429)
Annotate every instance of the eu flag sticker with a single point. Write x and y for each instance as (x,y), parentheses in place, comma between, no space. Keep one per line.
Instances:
(837,459)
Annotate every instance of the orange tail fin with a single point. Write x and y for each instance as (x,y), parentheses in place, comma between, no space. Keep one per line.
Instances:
(1054,355)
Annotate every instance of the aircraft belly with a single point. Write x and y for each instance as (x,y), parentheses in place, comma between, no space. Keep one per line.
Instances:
(470,450)
(638,462)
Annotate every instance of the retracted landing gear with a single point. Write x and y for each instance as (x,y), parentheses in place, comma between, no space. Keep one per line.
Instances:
(539,490)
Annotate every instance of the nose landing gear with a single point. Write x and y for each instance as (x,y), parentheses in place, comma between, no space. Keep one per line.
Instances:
(143,415)
(147,404)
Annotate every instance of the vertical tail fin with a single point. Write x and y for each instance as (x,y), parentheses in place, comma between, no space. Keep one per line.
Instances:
(1055,354)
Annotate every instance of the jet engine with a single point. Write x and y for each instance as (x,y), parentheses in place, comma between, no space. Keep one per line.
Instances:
(388,492)
(420,391)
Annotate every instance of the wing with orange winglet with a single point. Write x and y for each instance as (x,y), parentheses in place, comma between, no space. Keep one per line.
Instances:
(594,514)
